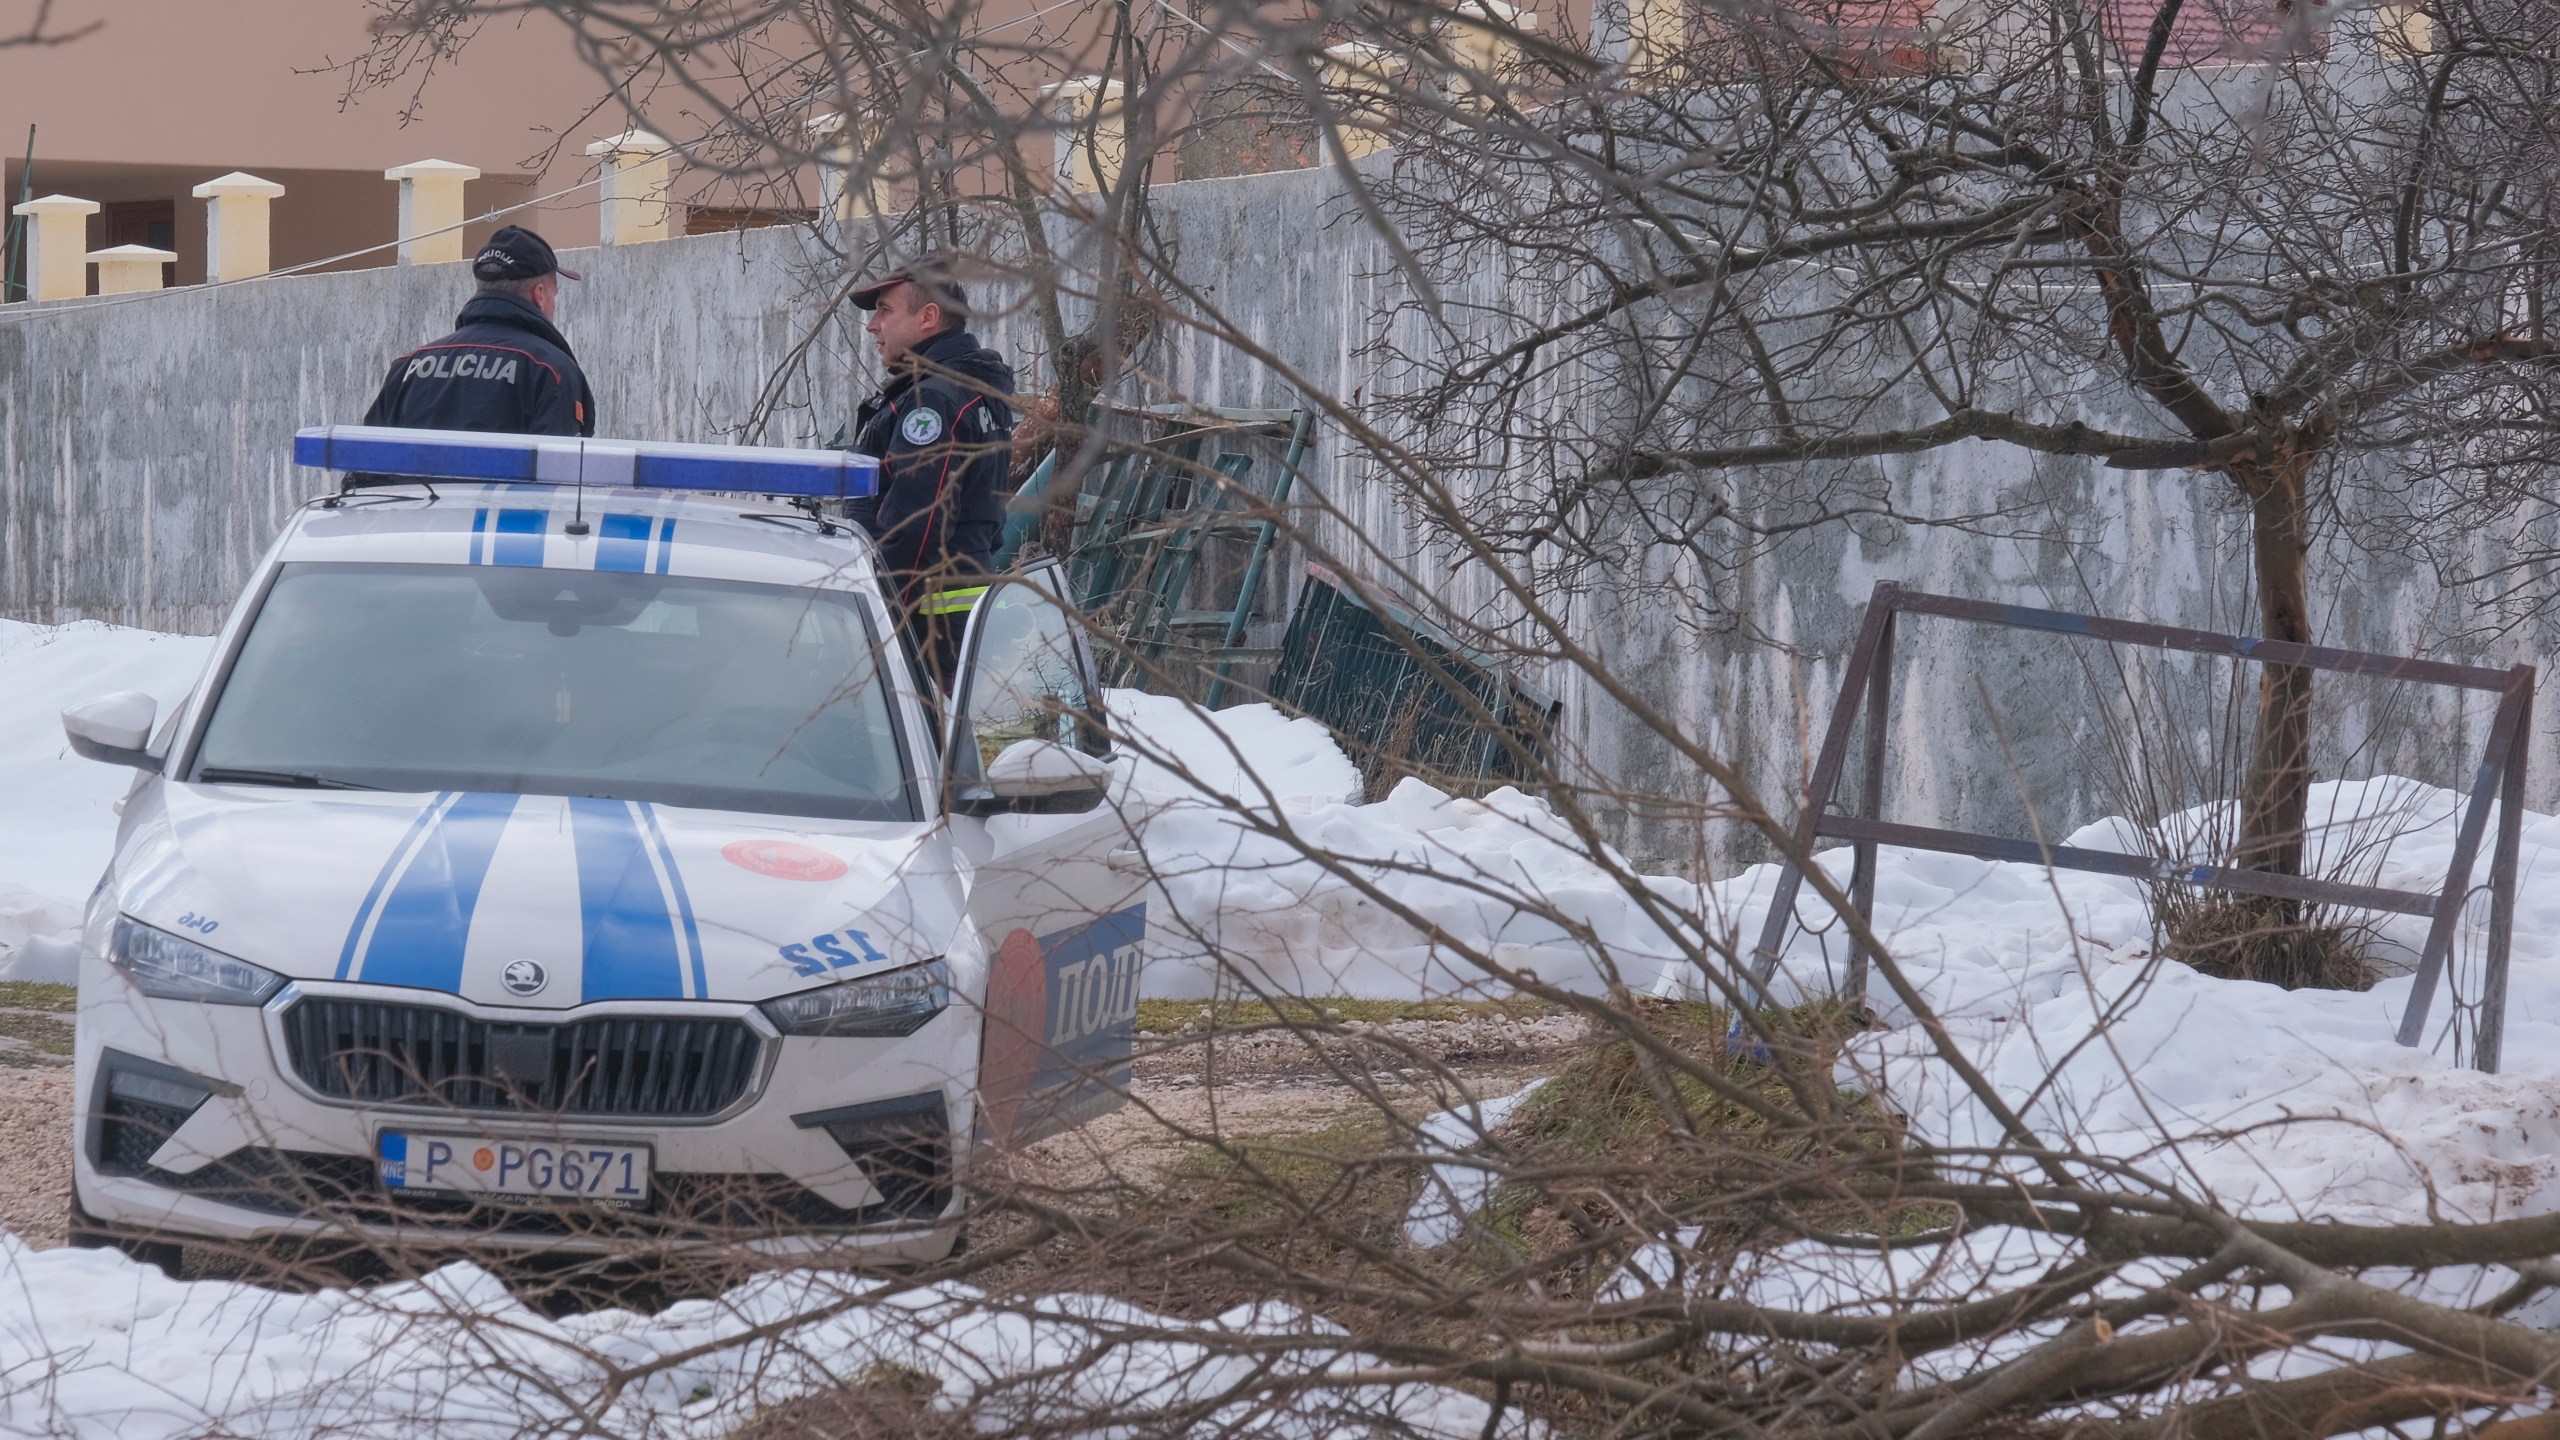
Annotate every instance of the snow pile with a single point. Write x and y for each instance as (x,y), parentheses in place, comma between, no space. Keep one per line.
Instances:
(1818,1279)
(1184,755)
(98,1346)
(1264,866)
(2282,1104)
(57,816)
(1458,1188)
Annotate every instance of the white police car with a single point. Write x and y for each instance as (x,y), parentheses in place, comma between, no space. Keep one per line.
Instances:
(552,858)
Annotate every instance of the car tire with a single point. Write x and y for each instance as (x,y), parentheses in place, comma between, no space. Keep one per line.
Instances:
(85,1232)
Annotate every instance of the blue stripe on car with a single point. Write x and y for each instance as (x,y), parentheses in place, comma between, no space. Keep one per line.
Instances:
(426,922)
(479,534)
(382,880)
(666,542)
(684,902)
(519,538)
(622,543)
(630,937)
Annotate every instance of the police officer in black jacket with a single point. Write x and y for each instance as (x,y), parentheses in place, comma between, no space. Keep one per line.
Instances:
(504,367)
(943,428)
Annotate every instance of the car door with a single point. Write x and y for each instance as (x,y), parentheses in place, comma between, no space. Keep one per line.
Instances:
(1056,891)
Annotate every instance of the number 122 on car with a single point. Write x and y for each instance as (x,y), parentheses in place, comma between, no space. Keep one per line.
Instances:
(614,1173)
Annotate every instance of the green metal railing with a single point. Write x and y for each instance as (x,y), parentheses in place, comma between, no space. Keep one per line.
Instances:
(1405,698)
(1173,536)
(1171,556)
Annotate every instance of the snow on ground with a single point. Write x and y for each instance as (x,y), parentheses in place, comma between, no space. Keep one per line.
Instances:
(2291,1104)
(2284,1104)
(1457,1189)
(2281,1104)
(1814,1278)
(94,1345)
(1248,801)
(57,821)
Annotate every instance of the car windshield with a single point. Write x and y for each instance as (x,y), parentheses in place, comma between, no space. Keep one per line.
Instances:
(705,693)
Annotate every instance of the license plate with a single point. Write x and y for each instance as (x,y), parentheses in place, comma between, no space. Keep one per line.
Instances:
(616,1174)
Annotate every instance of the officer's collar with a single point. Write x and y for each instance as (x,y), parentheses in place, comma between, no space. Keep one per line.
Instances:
(509,310)
(938,347)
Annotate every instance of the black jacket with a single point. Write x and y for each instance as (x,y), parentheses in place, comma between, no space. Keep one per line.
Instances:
(943,429)
(503,368)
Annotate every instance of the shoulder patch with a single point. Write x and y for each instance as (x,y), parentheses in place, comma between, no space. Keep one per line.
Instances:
(922,426)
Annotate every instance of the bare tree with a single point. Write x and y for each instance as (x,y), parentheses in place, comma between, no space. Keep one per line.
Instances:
(1772,243)
(2298,252)
(39,30)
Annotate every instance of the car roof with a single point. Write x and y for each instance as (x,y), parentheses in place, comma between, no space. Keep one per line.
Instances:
(733,537)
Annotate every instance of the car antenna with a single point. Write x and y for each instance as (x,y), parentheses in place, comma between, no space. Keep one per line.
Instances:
(578,521)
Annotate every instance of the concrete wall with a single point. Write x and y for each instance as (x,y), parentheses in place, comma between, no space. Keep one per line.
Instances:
(145,442)
(144,463)
(1995,731)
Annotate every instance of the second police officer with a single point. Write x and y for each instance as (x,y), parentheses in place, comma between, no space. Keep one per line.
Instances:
(942,426)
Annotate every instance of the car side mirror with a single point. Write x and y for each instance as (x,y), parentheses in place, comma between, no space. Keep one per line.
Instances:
(114,729)
(1046,778)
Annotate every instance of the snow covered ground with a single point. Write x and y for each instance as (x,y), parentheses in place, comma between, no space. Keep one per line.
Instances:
(57,824)
(2282,1104)
(2288,1104)
(93,1345)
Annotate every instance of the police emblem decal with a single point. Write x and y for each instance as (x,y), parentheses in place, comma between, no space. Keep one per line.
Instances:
(523,977)
(922,426)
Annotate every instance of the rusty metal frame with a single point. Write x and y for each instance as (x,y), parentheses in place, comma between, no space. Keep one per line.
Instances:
(2500,777)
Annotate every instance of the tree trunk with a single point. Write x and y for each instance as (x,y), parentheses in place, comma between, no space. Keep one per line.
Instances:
(2275,796)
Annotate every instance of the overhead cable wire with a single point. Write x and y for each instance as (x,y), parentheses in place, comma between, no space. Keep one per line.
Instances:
(48,309)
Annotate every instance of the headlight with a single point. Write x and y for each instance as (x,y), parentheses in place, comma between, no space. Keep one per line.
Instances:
(168,968)
(897,1003)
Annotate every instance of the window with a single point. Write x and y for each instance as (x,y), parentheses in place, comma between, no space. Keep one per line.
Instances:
(1026,681)
(703,693)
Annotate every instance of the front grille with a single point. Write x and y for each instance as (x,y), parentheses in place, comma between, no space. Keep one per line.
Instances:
(129,1132)
(658,1066)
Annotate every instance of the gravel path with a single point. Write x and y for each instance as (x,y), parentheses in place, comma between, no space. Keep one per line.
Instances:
(35,1139)
(1192,1086)
(1185,1087)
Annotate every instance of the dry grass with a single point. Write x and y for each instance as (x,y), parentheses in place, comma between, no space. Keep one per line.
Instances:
(36,995)
(2247,937)
(1168,1017)
(886,1402)
(1329,1195)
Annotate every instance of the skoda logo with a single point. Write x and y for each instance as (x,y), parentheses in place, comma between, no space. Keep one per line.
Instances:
(523,977)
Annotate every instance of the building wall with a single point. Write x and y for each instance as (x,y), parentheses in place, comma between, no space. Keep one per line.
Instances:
(144,464)
(168,93)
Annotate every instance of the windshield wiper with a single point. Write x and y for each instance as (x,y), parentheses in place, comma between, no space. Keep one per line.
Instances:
(224,775)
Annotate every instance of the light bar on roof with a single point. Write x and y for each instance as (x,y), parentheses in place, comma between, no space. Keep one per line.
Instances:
(563,460)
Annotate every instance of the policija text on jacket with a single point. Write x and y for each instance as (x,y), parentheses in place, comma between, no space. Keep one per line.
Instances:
(504,368)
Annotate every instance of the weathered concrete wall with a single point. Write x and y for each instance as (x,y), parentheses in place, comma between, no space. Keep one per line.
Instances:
(1988,727)
(144,464)
(145,442)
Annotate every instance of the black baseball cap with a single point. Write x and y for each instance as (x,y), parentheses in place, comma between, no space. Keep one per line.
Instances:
(516,253)
(933,272)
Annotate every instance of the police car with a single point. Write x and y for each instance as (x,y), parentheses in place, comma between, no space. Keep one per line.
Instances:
(559,851)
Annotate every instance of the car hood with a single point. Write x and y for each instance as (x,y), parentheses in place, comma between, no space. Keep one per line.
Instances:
(606,899)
